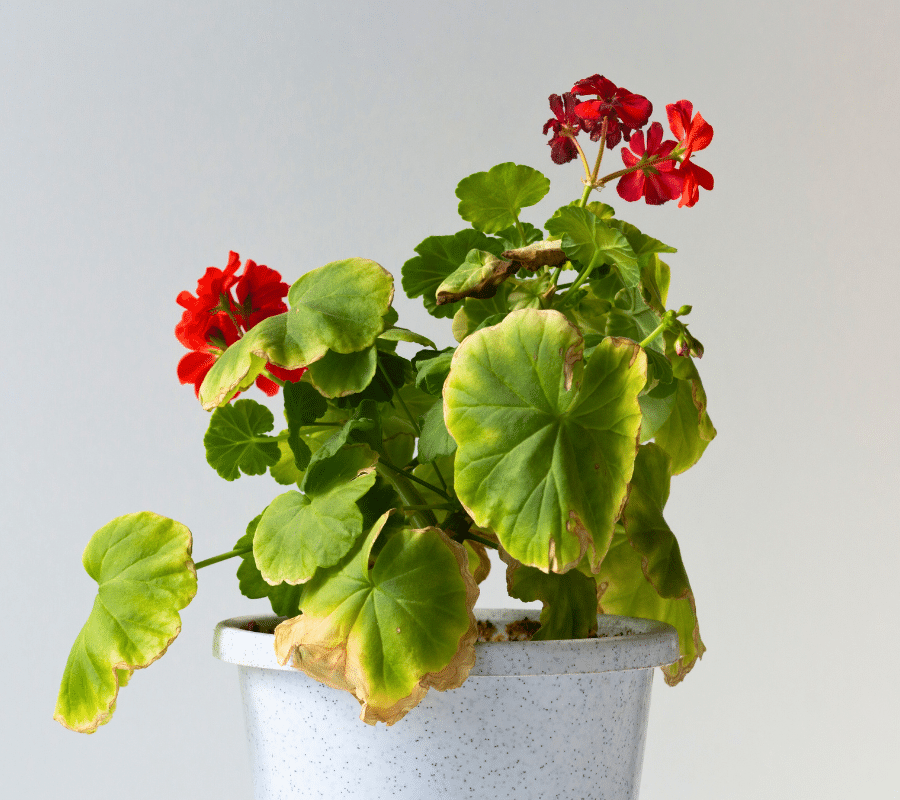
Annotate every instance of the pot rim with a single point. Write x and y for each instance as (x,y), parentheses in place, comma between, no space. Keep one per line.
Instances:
(625,643)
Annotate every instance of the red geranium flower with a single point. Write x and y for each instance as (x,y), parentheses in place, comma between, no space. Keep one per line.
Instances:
(693,134)
(658,182)
(565,128)
(212,320)
(616,104)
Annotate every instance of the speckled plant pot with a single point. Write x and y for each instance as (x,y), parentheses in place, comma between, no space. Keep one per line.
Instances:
(534,721)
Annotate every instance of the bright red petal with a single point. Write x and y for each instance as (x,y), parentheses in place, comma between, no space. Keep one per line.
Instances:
(267,386)
(193,368)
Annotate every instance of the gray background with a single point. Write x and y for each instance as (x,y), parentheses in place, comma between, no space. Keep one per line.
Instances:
(139,142)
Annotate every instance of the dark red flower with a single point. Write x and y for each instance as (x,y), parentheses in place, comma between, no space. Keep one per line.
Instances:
(212,320)
(656,181)
(565,128)
(623,110)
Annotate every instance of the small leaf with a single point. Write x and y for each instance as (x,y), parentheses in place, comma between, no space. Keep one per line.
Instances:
(404,335)
(492,200)
(569,600)
(478,276)
(235,442)
(632,317)
(435,441)
(381,390)
(284,598)
(511,238)
(300,533)
(438,257)
(592,242)
(389,632)
(640,242)
(432,370)
(341,374)
(142,563)
(654,281)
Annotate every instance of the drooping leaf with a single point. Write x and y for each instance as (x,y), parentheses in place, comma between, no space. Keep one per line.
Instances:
(404,335)
(236,442)
(284,598)
(389,632)
(478,276)
(435,441)
(592,242)
(546,444)
(438,257)
(537,255)
(688,429)
(300,533)
(492,200)
(623,589)
(654,281)
(569,600)
(341,374)
(142,565)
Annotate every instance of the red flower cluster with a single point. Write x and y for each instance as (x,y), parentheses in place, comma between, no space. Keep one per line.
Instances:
(213,319)
(654,177)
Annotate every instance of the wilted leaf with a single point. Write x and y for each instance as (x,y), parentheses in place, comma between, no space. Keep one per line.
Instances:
(478,276)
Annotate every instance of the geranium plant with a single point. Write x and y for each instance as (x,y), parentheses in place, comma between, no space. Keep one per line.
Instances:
(549,434)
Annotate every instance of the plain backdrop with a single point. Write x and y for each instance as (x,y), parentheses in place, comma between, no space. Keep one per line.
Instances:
(141,141)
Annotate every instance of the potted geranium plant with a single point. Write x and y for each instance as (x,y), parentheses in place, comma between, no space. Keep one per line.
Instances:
(549,434)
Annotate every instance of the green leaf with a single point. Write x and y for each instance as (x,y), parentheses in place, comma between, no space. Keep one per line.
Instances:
(341,374)
(600,210)
(284,598)
(492,200)
(436,441)
(438,257)
(478,276)
(399,372)
(432,370)
(630,316)
(389,632)
(640,242)
(528,293)
(592,242)
(688,429)
(142,564)
(437,473)
(511,237)
(624,589)
(546,444)
(341,306)
(404,335)
(569,600)
(474,312)
(654,281)
(235,441)
(302,406)
(300,533)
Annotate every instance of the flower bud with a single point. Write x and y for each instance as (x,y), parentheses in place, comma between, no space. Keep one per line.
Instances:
(683,311)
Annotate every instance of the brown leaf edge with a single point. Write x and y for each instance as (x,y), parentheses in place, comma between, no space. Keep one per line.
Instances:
(328,665)
(104,716)
(537,255)
(485,289)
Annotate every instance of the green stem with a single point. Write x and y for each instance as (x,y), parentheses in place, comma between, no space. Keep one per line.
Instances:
(664,323)
(582,277)
(414,479)
(602,148)
(521,231)
(409,413)
(408,494)
(485,542)
(588,188)
(224,556)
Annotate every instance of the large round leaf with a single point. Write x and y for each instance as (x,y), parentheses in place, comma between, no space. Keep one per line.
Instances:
(142,563)
(388,632)
(546,444)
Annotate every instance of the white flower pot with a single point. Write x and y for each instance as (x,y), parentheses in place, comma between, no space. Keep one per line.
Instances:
(534,720)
